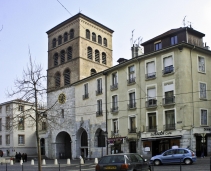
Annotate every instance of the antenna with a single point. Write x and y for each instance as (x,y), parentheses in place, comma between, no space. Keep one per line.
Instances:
(189,24)
(184,21)
(79,10)
(140,40)
(132,38)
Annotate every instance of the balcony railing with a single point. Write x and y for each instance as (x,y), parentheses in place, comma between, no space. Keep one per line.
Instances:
(150,75)
(169,127)
(151,128)
(99,91)
(151,103)
(169,100)
(131,80)
(168,69)
(114,109)
(114,86)
(131,105)
(86,96)
(132,130)
(99,113)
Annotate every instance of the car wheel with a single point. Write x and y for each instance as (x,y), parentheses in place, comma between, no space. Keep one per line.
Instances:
(188,161)
(157,162)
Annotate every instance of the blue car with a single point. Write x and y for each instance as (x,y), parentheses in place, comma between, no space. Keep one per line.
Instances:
(178,155)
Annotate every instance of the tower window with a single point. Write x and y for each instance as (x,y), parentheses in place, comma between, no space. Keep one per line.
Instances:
(89,53)
(105,42)
(54,43)
(67,77)
(57,79)
(59,40)
(62,55)
(71,33)
(56,59)
(69,53)
(65,36)
(93,71)
(100,39)
(97,56)
(104,58)
(93,37)
(87,34)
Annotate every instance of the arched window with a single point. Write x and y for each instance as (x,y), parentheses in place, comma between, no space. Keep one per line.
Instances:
(104,58)
(56,56)
(97,56)
(100,39)
(84,142)
(105,42)
(71,33)
(101,139)
(93,37)
(89,53)
(65,36)
(87,34)
(67,77)
(69,53)
(60,40)
(93,71)
(62,56)
(57,79)
(54,43)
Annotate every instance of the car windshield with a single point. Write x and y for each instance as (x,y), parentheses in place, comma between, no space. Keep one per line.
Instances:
(112,159)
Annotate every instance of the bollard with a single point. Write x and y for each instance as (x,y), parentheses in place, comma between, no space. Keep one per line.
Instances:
(11,162)
(32,162)
(55,162)
(68,161)
(21,162)
(81,160)
(96,161)
(43,162)
(180,164)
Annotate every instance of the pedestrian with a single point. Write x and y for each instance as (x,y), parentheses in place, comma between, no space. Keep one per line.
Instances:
(23,157)
(16,157)
(19,157)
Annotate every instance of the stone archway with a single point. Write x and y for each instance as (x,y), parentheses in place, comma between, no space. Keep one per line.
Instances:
(63,146)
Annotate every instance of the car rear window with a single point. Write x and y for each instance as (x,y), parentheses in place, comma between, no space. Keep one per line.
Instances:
(112,159)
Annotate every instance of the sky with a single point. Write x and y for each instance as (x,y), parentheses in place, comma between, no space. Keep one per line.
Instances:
(23,25)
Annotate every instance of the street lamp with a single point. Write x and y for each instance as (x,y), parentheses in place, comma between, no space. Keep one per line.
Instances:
(203,143)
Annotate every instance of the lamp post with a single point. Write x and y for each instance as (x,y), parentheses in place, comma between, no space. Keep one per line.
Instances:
(203,143)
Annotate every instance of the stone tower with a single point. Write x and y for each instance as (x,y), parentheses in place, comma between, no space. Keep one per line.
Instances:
(77,48)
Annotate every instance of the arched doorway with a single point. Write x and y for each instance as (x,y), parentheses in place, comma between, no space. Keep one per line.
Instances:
(63,146)
(84,144)
(42,146)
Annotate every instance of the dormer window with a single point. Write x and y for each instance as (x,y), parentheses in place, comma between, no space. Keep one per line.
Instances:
(174,40)
(158,46)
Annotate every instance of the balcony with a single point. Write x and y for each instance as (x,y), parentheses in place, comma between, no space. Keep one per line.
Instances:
(131,105)
(99,91)
(114,86)
(169,127)
(169,100)
(151,128)
(132,130)
(151,103)
(131,81)
(99,113)
(85,96)
(168,70)
(149,76)
(114,109)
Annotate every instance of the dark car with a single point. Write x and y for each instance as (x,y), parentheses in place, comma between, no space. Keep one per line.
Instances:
(178,155)
(123,161)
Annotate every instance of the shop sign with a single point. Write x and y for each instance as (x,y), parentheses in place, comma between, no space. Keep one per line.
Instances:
(160,133)
(207,129)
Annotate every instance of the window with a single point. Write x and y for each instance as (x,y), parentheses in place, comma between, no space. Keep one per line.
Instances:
(150,68)
(0,124)
(86,94)
(105,42)
(158,46)
(131,74)
(203,91)
(7,123)
(54,43)
(115,126)
(169,93)
(132,101)
(100,39)
(97,56)
(152,122)
(151,97)
(21,123)
(132,124)
(69,53)
(62,113)
(59,40)
(62,56)
(0,140)
(201,64)
(204,117)
(174,40)
(114,104)
(114,79)
(99,108)
(170,120)
(21,139)
(21,108)
(87,34)
(168,65)
(56,56)
(89,53)
(93,37)
(57,79)
(8,108)
(99,86)
(65,36)
(93,71)
(44,126)
(67,77)
(104,58)
(71,33)
(7,139)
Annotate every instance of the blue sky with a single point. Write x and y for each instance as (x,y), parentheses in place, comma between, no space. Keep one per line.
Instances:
(25,24)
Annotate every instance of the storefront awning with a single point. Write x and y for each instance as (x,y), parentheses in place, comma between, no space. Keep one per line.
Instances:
(162,137)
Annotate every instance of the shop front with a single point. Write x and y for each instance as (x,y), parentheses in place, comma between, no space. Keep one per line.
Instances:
(115,145)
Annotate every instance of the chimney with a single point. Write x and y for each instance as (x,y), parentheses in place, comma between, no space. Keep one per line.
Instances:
(136,50)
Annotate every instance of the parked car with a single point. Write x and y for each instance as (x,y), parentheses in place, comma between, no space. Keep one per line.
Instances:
(123,161)
(178,155)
